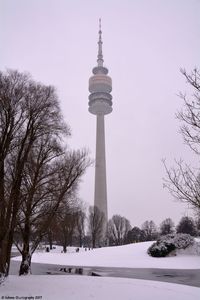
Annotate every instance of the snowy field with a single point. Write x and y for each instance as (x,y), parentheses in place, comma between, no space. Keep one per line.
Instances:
(128,256)
(74,287)
(47,287)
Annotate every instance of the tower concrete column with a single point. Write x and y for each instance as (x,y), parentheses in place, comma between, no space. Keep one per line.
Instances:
(100,195)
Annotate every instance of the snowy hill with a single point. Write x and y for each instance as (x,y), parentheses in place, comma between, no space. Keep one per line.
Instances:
(128,256)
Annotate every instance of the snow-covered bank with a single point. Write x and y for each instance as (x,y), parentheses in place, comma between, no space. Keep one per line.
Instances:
(51,287)
(96,288)
(128,256)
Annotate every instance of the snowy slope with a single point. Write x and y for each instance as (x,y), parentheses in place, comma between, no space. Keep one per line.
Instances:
(130,256)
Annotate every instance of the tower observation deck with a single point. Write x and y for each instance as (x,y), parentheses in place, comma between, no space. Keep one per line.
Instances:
(100,104)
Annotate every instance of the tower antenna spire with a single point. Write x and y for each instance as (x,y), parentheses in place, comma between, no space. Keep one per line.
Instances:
(100,53)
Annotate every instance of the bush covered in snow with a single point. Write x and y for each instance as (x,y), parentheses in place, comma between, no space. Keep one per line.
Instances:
(167,243)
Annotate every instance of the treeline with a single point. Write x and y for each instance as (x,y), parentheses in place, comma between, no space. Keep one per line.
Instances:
(77,227)
(149,231)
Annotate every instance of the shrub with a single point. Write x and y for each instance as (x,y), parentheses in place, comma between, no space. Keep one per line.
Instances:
(167,243)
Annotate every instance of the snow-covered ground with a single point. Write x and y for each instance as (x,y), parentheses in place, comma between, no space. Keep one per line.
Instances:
(52,287)
(128,256)
(96,288)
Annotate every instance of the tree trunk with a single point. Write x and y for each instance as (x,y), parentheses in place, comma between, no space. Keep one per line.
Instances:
(93,241)
(2,201)
(65,248)
(50,239)
(9,226)
(3,229)
(25,267)
(5,253)
(80,241)
(3,258)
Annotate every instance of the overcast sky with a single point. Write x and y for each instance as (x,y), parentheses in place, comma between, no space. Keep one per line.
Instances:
(145,43)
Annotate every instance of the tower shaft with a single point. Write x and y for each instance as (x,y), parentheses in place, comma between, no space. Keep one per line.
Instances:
(100,195)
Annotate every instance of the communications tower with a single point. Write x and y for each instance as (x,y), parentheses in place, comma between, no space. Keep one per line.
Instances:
(100,104)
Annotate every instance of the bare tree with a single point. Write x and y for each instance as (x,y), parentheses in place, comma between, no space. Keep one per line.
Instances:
(67,221)
(12,118)
(80,223)
(183,181)
(150,230)
(190,114)
(35,194)
(29,110)
(167,226)
(34,179)
(96,224)
(68,225)
(50,198)
(118,228)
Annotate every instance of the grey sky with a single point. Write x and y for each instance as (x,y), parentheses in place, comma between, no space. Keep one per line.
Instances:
(145,42)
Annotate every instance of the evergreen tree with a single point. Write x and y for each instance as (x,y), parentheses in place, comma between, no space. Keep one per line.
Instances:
(186,225)
(167,226)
